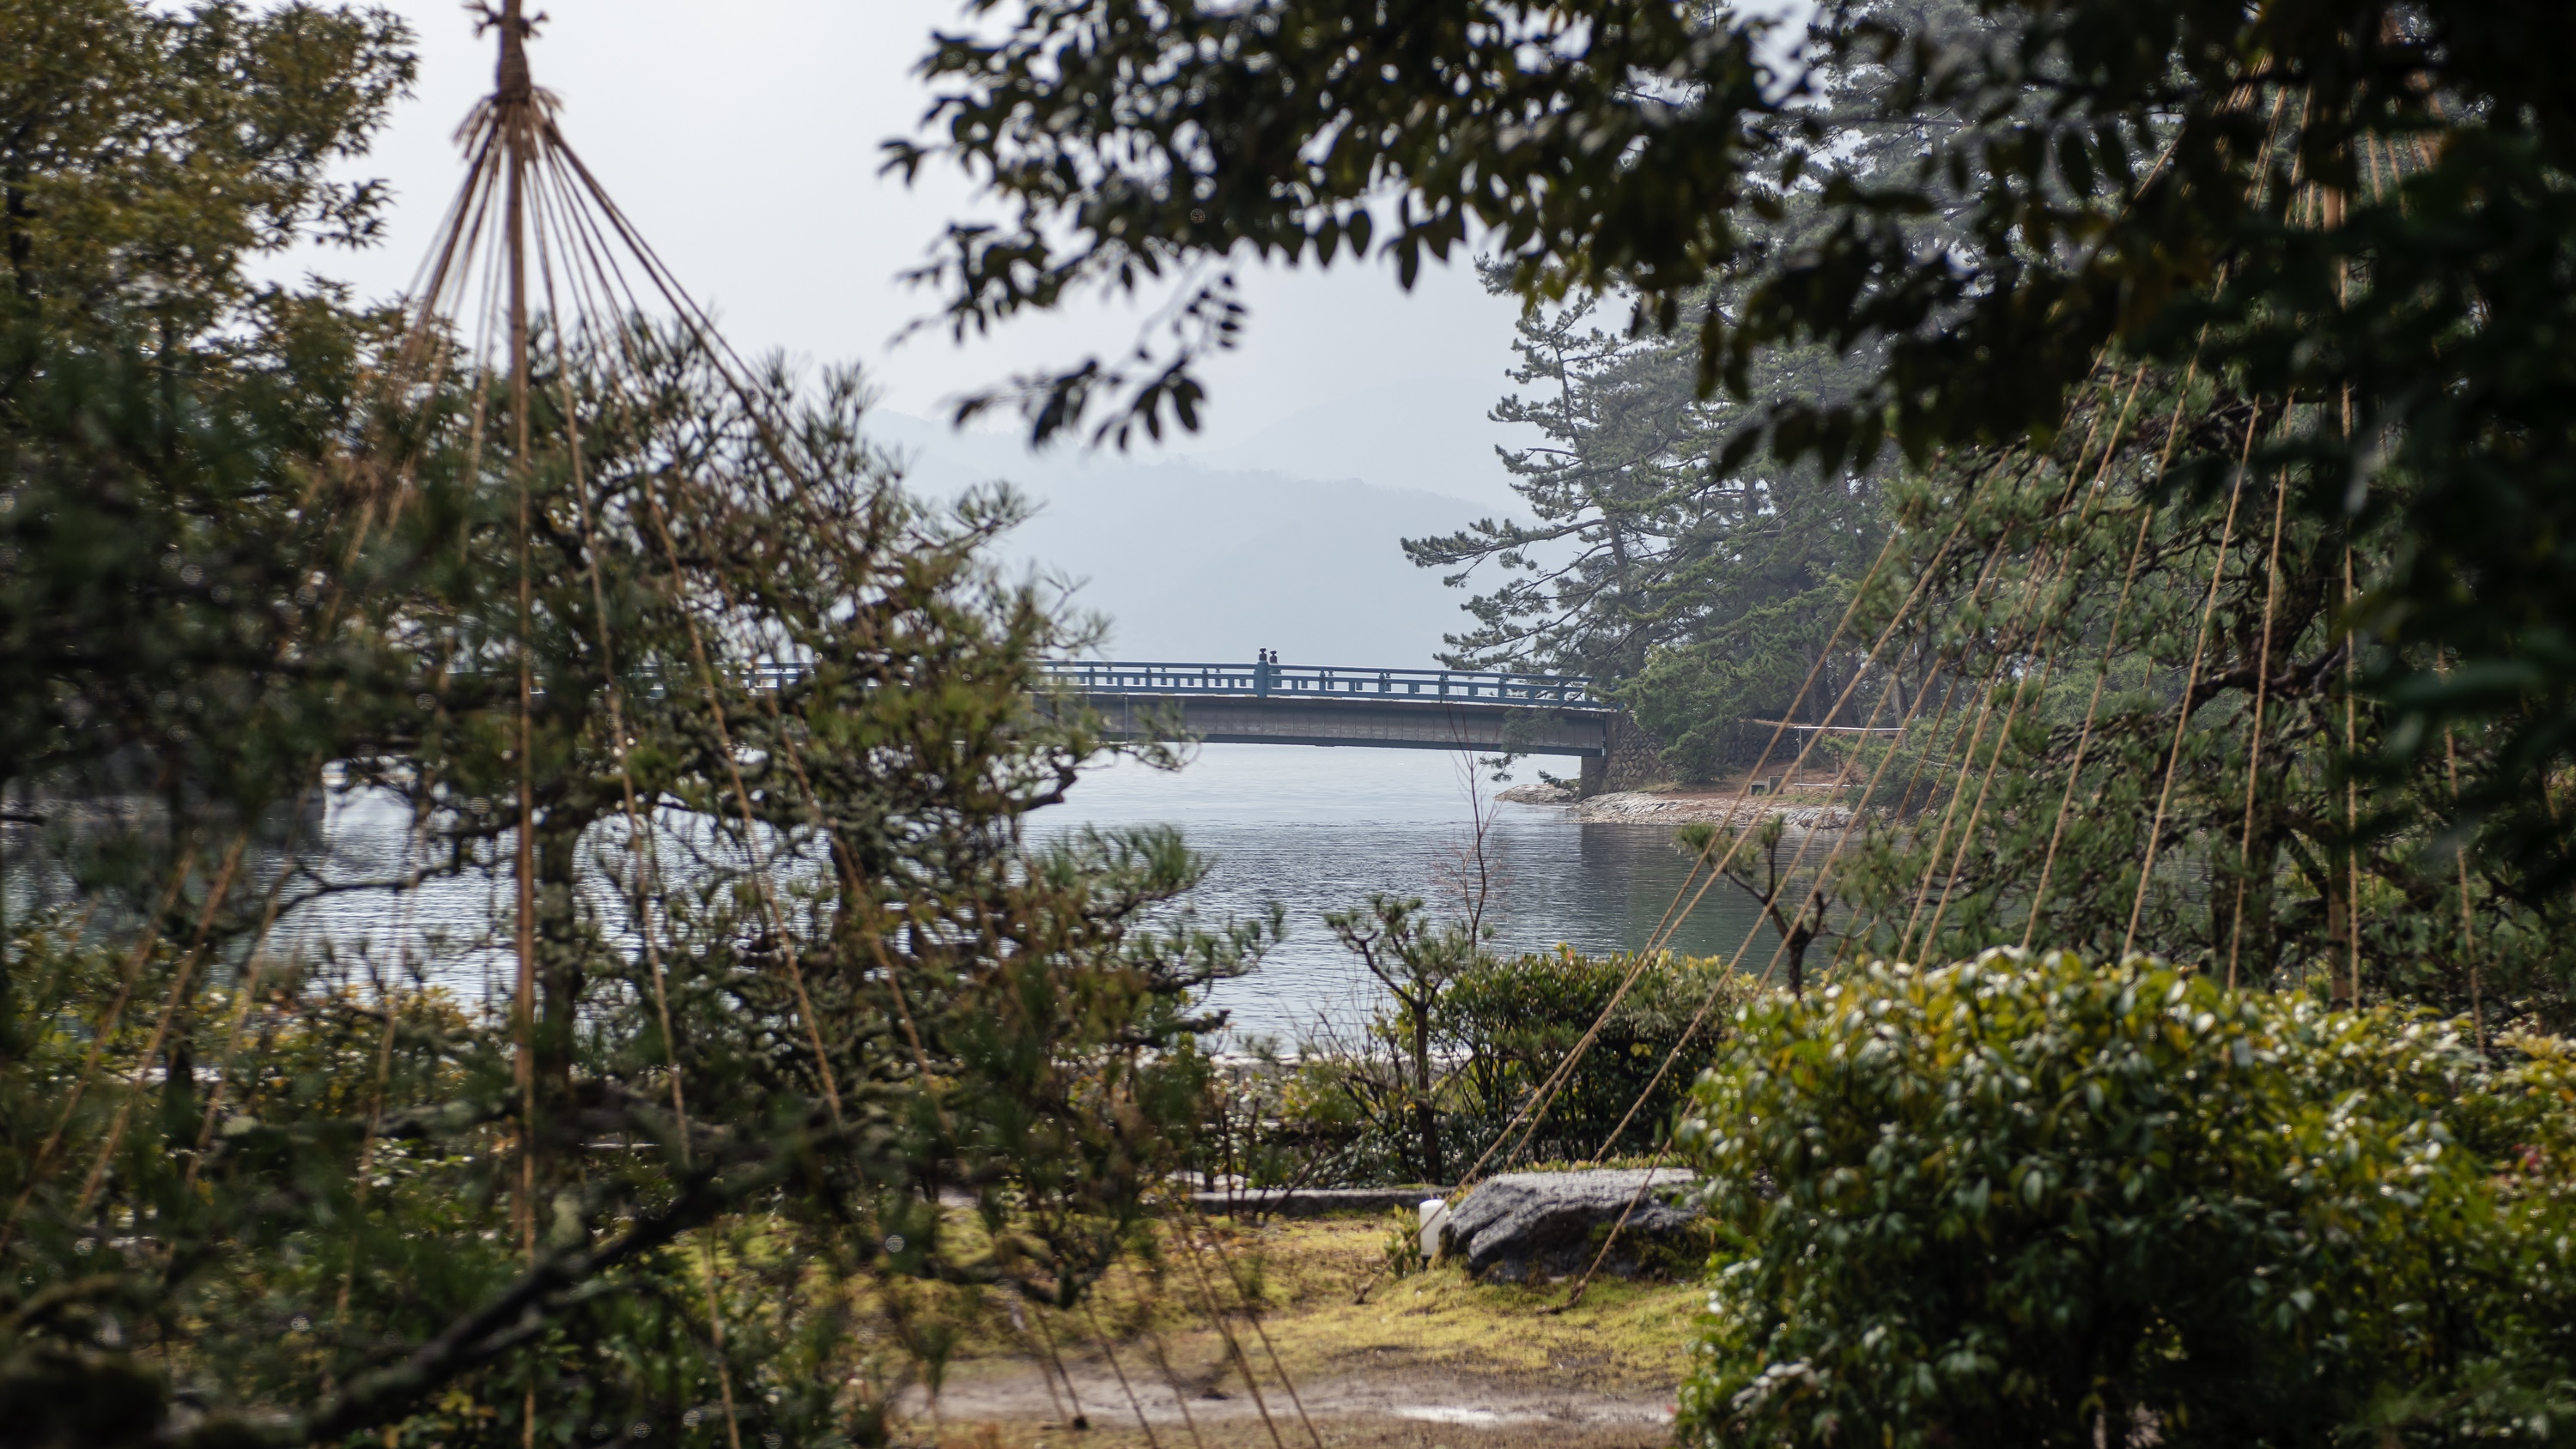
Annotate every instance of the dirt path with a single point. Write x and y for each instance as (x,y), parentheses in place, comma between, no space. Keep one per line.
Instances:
(1386,1402)
(1431,1361)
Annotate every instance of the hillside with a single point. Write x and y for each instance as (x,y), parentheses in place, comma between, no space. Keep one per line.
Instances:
(1193,560)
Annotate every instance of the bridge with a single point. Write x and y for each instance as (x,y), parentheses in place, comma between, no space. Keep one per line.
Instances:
(1305,704)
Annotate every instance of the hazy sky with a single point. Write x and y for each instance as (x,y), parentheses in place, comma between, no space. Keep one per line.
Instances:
(744,139)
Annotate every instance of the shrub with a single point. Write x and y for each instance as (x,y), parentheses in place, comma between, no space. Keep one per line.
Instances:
(2041,1202)
(1346,1111)
(1511,1020)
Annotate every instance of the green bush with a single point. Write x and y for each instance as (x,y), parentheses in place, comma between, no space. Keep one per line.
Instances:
(2042,1203)
(1344,1112)
(1511,1020)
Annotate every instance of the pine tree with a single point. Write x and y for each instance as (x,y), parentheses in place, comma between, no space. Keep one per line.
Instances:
(1704,597)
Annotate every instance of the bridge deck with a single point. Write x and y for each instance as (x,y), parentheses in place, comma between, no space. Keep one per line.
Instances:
(1319,681)
(1418,709)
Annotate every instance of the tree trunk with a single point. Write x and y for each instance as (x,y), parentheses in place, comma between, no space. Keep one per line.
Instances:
(562,973)
(1426,1116)
(2338,938)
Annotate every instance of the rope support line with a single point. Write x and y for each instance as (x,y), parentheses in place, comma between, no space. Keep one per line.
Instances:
(1670,922)
(648,883)
(1534,1112)
(2254,730)
(1708,1004)
(1735,964)
(1667,924)
(179,979)
(2460,858)
(2191,682)
(2003,741)
(145,939)
(1109,1351)
(1986,576)
(1556,1079)
(2012,639)
(574,179)
(1233,1348)
(2026,613)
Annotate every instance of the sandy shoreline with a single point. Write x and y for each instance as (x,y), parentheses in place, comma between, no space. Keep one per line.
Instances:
(1683,807)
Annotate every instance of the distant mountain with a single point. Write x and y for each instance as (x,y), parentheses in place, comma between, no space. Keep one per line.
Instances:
(1192,561)
(1431,433)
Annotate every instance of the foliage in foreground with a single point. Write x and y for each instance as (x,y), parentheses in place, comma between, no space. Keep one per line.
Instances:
(792,972)
(1351,1109)
(2120,174)
(1703,597)
(2032,1201)
(283,1181)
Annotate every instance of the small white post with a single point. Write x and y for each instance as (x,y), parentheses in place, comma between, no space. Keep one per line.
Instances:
(1435,1216)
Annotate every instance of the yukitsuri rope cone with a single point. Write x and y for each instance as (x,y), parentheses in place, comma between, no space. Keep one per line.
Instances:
(529,197)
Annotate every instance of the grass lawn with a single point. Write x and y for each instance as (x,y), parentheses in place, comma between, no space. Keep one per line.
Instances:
(1338,1346)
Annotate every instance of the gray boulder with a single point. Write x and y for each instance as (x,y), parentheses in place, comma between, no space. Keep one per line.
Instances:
(1522,1225)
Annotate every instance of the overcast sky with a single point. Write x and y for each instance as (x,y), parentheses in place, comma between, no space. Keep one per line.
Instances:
(744,140)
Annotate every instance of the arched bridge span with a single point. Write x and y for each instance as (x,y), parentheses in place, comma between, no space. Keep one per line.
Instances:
(1334,705)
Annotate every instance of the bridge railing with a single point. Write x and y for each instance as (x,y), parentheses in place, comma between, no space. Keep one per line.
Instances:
(1297,681)
(1325,681)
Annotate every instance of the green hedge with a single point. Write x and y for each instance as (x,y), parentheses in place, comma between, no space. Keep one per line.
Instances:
(1511,1020)
(1501,1026)
(2048,1203)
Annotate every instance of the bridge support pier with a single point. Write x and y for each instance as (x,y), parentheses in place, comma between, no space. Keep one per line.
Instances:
(1632,760)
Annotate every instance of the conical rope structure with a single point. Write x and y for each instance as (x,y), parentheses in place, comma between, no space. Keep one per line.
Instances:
(587,258)
(739,737)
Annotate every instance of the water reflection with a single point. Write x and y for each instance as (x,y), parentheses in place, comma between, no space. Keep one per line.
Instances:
(1318,829)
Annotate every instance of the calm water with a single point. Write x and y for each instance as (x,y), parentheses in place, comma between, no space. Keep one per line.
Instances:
(1313,829)
(1319,829)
